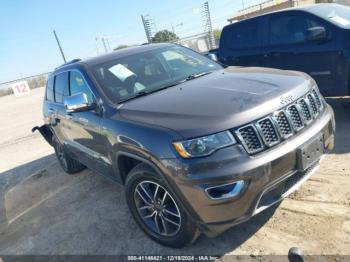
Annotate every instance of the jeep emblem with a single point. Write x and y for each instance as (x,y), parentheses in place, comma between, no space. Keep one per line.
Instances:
(286,100)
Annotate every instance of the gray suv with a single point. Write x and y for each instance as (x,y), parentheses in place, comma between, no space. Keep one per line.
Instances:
(198,147)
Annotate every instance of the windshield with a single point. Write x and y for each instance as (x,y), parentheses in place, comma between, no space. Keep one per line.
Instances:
(127,77)
(338,14)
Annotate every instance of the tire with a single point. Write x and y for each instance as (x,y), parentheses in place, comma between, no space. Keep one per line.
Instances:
(140,188)
(68,164)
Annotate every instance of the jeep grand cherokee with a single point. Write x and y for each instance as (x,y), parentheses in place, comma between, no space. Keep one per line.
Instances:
(198,147)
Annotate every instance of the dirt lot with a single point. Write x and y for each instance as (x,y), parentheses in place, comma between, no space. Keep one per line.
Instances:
(44,211)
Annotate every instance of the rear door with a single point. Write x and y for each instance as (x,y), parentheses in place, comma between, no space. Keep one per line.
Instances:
(56,109)
(49,100)
(240,44)
(287,47)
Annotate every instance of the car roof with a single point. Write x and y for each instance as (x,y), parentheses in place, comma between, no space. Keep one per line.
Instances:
(112,55)
(306,8)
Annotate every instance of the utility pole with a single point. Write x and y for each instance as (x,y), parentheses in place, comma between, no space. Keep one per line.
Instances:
(243,7)
(104,44)
(208,26)
(147,26)
(173,27)
(59,46)
(105,41)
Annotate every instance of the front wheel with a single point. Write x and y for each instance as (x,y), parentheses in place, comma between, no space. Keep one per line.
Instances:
(157,210)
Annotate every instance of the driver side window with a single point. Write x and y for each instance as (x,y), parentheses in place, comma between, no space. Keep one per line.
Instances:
(290,28)
(79,85)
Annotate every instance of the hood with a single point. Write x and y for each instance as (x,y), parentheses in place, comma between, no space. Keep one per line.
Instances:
(218,101)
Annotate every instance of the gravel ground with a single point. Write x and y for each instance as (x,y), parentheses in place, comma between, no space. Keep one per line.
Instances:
(44,211)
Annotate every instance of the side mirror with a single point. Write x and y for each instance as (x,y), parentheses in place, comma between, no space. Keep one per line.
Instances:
(78,102)
(317,33)
(212,57)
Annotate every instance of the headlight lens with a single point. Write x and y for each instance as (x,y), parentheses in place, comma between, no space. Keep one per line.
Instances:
(204,146)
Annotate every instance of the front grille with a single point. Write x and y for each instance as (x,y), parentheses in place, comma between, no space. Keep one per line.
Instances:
(250,139)
(313,104)
(305,110)
(271,130)
(318,99)
(268,131)
(295,116)
(283,123)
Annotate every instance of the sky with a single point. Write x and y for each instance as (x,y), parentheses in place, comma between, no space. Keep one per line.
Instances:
(28,46)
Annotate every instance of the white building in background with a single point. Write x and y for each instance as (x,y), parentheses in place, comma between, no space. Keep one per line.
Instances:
(343,2)
(274,5)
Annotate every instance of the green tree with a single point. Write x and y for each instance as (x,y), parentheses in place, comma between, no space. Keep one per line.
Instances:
(164,36)
(120,47)
(217,34)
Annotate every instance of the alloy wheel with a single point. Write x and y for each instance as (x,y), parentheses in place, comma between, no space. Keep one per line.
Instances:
(157,208)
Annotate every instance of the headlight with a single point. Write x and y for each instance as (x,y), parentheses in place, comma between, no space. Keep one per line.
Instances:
(204,146)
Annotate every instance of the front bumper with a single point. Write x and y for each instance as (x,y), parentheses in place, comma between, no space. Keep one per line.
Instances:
(270,176)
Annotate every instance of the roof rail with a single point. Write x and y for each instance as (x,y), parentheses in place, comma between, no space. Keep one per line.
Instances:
(69,62)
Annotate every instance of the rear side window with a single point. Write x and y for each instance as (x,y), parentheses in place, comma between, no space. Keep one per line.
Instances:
(244,34)
(49,89)
(290,28)
(79,85)
(61,87)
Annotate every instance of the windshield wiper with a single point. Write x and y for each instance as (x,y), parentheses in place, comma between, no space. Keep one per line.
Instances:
(194,76)
(144,93)
(188,78)
(138,94)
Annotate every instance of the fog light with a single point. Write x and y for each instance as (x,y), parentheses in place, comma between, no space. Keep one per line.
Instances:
(225,191)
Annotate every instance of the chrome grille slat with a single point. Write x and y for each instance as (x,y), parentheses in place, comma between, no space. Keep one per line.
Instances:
(271,130)
(305,110)
(283,123)
(267,130)
(313,106)
(295,116)
(318,100)
(250,139)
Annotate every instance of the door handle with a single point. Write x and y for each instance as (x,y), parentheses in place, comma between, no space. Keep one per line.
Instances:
(275,54)
(52,116)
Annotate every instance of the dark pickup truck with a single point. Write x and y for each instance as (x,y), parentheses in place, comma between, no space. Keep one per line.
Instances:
(313,39)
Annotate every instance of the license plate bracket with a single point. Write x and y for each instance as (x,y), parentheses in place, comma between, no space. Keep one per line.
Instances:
(310,152)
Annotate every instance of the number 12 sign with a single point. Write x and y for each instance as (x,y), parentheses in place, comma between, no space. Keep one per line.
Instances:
(20,88)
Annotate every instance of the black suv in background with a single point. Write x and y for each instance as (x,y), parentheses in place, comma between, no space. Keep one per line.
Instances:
(198,147)
(313,39)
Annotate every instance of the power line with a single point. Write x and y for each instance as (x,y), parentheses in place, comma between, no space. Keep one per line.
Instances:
(175,12)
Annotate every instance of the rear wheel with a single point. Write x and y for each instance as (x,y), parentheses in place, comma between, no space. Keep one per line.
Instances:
(68,164)
(157,210)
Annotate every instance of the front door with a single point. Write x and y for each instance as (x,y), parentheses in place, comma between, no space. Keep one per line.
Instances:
(288,48)
(82,129)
